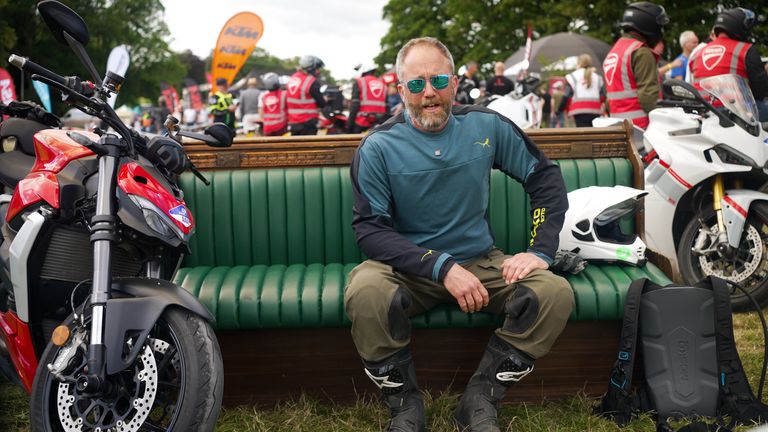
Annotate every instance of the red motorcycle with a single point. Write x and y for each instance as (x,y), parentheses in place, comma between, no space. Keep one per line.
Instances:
(95,228)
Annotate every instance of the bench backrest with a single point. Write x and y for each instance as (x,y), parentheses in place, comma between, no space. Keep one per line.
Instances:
(303,215)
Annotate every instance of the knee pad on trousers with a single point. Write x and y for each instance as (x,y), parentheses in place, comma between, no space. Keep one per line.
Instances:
(522,309)
(399,323)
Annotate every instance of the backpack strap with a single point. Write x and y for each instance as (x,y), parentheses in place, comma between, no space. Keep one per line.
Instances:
(617,403)
(736,397)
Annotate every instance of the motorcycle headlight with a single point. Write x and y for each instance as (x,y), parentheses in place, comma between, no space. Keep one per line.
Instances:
(156,218)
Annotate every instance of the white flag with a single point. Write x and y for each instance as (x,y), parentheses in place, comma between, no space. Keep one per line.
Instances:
(118,63)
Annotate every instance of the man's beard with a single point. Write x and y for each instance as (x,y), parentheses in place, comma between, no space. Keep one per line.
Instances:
(431,122)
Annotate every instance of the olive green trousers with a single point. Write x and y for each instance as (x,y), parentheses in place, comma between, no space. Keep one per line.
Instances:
(380,301)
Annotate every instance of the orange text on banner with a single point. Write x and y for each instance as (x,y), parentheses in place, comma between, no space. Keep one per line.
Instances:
(237,40)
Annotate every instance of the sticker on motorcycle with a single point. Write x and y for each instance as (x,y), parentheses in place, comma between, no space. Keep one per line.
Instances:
(180,214)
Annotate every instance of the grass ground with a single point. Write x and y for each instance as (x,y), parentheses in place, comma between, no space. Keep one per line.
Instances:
(367,414)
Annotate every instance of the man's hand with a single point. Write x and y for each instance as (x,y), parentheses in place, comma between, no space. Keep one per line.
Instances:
(520,265)
(466,289)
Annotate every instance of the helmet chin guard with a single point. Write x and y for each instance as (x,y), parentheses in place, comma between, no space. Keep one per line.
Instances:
(591,228)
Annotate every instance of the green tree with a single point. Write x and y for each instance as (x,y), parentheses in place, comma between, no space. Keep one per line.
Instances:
(136,23)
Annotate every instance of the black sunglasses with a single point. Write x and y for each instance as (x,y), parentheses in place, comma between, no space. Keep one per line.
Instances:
(439,82)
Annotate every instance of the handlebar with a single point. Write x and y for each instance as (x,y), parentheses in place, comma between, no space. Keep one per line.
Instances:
(28,65)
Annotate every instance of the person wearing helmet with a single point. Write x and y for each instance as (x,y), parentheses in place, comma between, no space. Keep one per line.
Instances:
(368,105)
(273,109)
(221,106)
(249,106)
(421,184)
(630,68)
(731,53)
(304,97)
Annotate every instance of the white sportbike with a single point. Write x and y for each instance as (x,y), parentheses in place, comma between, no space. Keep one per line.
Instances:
(706,174)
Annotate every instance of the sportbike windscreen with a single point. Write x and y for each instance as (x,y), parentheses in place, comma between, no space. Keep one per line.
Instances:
(735,95)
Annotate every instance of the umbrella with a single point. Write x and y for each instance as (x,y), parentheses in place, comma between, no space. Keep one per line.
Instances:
(558,47)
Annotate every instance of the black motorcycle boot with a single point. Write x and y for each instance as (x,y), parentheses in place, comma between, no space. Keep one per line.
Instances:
(501,366)
(395,376)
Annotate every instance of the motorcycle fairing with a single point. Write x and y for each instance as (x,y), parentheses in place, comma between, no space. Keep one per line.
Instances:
(139,312)
(54,150)
(36,187)
(133,179)
(735,204)
(18,340)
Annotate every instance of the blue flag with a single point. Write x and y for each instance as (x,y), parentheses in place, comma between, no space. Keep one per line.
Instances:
(44,92)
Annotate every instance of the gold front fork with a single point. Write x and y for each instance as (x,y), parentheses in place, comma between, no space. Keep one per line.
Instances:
(717,198)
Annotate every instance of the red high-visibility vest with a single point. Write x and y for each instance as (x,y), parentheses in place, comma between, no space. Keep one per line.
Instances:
(620,84)
(719,57)
(275,114)
(373,95)
(301,105)
(585,100)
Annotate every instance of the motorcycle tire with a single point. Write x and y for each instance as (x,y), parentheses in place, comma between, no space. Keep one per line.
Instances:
(181,354)
(744,267)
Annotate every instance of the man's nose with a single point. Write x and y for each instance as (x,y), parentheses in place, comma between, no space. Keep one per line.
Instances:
(429,91)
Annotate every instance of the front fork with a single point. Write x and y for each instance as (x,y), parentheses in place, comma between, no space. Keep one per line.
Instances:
(718,191)
(730,221)
(103,234)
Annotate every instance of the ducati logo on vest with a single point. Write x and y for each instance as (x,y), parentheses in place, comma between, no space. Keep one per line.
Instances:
(711,56)
(293,84)
(270,103)
(609,67)
(377,88)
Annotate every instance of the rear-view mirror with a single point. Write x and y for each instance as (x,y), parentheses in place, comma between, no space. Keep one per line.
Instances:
(61,19)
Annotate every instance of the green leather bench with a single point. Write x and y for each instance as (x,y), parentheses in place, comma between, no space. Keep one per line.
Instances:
(273,247)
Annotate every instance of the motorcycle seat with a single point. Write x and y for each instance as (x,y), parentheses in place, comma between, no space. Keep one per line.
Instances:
(24,130)
(14,166)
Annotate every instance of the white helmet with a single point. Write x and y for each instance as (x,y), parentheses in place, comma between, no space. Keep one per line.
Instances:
(365,68)
(271,81)
(591,227)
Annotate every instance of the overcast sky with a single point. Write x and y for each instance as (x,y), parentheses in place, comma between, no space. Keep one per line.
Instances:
(343,33)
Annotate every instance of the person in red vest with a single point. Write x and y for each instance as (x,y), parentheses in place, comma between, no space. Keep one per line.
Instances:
(631,78)
(304,97)
(272,107)
(730,53)
(368,105)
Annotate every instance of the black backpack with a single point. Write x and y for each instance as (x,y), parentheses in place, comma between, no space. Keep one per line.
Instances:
(691,364)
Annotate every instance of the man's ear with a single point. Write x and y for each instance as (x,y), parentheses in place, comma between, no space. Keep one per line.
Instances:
(401,91)
(455,80)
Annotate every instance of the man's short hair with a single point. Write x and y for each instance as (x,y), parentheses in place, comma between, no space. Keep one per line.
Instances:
(686,36)
(433,42)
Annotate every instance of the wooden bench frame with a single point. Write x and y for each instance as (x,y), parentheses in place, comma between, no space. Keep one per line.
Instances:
(266,366)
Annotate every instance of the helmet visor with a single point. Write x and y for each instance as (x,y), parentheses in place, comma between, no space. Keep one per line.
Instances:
(749,18)
(616,212)
(662,19)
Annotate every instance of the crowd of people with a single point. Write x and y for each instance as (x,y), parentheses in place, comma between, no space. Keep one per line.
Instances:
(271,105)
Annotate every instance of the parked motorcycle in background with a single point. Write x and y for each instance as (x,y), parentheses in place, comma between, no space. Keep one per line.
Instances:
(332,121)
(706,173)
(96,227)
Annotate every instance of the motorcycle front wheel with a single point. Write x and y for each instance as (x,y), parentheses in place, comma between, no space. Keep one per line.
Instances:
(747,265)
(175,384)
